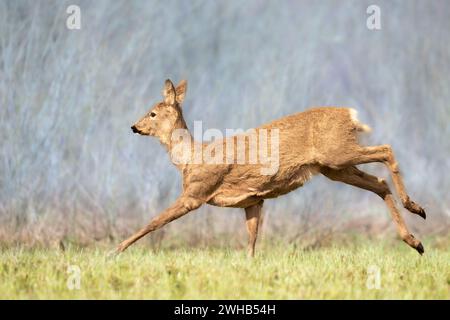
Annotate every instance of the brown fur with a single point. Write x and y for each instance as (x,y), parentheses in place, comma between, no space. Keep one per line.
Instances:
(320,140)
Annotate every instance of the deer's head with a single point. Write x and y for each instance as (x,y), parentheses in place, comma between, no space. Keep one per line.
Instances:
(165,116)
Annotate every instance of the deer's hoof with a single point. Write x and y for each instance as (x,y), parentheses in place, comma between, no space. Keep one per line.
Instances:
(416,209)
(420,248)
(118,251)
(414,243)
(422,213)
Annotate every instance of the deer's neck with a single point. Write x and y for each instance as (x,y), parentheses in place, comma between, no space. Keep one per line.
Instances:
(179,144)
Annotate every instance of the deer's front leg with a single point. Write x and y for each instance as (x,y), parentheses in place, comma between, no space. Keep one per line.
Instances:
(183,205)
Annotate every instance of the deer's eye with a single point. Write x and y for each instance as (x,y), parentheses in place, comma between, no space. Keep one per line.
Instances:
(152,114)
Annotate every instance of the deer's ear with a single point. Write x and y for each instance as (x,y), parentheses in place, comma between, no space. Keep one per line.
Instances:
(181,91)
(169,93)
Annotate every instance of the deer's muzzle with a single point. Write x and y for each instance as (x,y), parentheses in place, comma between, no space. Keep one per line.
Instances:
(135,130)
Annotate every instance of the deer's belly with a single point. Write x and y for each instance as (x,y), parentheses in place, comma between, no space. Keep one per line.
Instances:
(237,201)
(248,192)
(291,180)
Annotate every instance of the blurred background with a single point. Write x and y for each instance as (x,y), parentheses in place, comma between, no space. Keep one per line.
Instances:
(71,169)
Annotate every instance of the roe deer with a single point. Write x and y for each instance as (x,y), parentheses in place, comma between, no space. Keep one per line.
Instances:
(319,140)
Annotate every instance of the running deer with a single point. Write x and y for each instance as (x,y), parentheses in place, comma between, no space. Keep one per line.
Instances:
(320,140)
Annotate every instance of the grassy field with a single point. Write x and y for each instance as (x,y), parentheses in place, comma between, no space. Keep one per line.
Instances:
(278,272)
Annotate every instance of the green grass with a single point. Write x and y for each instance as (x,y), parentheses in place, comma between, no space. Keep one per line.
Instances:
(278,272)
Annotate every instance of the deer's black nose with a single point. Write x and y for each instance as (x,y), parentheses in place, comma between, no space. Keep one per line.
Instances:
(135,130)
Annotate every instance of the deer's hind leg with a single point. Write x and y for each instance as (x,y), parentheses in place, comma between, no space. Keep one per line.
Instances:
(355,177)
(383,154)
(253,220)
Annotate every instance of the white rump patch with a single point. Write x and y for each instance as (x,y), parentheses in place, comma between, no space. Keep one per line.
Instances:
(359,126)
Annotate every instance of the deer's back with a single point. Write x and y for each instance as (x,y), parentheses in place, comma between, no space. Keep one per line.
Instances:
(306,140)
(307,137)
